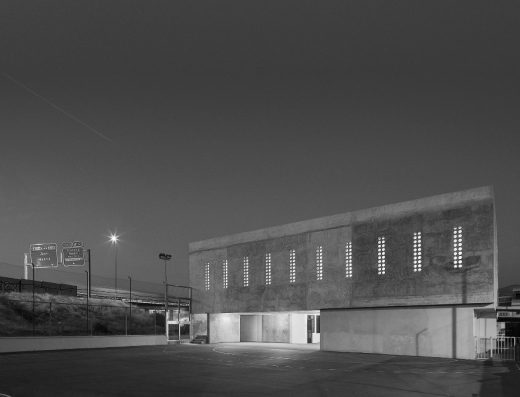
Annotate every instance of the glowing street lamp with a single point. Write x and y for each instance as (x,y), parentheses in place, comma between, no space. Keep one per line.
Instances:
(114,238)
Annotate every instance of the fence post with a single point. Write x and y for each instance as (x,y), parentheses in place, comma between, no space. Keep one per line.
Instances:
(88,293)
(33,310)
(179,317)
(50,318)
(93,309)
(130,280)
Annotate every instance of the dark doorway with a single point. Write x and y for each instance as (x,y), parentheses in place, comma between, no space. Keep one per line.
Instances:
(313,328)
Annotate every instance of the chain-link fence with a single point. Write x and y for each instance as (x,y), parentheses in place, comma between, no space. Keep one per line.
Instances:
(24,317)
(73,302)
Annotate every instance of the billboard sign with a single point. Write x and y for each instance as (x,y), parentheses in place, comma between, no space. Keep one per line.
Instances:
(73,254)
(44,255)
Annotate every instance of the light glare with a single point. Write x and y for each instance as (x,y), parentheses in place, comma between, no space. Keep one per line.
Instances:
(114,238)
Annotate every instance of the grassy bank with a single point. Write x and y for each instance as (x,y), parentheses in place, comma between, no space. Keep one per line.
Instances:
(66,315)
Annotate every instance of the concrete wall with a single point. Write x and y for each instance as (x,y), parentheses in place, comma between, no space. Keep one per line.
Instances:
(298,328)
(250,328)
(224,327)
(485,327)
(199,324)
(22,344)
(275,328)
(437,284)
(419,331)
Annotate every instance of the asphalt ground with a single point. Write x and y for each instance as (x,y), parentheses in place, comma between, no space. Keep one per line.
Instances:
(248,369)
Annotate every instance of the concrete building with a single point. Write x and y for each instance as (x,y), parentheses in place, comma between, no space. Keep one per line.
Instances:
(407,278)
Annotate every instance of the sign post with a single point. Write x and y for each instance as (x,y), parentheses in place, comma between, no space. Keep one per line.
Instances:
(89,281)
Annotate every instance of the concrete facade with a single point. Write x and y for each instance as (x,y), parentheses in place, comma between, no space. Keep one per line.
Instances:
(224,327)
(298,328)
(416,331)
(440,282)
(273,328)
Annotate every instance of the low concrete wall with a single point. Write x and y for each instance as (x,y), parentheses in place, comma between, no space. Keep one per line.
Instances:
(28,343)
(420,331)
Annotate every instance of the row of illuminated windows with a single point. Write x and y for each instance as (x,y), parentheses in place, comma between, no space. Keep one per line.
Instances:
(381,260)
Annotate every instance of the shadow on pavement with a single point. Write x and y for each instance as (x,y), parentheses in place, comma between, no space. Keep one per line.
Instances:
(504,381)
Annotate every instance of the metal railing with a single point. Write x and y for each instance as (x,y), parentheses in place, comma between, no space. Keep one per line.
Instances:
(499,348)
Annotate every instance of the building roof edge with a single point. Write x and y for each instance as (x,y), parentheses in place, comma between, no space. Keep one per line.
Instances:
(347,218)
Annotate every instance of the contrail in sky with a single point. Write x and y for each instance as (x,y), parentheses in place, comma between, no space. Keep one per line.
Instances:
(71,116)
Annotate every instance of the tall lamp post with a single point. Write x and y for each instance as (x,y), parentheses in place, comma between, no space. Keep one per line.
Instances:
(130,281)
(114,238)
(165,258)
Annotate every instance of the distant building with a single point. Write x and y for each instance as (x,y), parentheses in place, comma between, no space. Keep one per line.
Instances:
(508,313)
(413,278)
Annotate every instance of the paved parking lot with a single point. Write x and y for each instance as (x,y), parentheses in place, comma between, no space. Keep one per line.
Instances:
(248,369)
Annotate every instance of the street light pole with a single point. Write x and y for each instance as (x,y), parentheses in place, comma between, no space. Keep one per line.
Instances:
(165,258)
(114,238)
(165,273)
(115,267)
(130,322)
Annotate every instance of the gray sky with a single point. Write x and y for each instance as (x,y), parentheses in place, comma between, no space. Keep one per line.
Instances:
(176,121)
